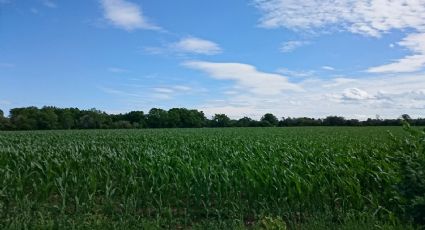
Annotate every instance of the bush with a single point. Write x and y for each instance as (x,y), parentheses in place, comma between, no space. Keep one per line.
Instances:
(410,157)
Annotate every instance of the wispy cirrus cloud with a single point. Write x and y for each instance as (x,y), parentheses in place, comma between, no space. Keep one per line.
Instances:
(163,90)
(290,46)
(126,15)
(151,94)
(197,46)
(187,45)
(296,73)
(329,68)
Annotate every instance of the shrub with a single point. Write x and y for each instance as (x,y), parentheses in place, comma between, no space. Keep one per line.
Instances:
(410,156)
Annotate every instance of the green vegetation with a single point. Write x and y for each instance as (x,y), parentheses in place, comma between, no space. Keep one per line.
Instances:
(53,118)
(234,178)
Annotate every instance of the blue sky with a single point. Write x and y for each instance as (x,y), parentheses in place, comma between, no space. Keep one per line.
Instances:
(242,57)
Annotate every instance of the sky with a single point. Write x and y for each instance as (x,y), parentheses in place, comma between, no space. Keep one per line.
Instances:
(314,58)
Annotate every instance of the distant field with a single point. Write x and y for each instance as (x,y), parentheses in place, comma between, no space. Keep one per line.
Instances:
(198,178)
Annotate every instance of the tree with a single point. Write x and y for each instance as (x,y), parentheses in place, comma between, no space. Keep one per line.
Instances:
(174,119)
(157,118)
(406,117)
(24,118)
(122,125)
(245,122)
(192,118)
(269,120)
(66,119)
(334,121)
(47,118)
(4,122)
(220,120)
(87,122)
(136,118)
(94,119)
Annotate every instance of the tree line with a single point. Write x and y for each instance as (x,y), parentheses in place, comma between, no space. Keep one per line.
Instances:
(49,118)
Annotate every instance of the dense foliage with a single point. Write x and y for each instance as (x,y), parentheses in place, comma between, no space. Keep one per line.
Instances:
(410,156)
(50,118)
(322,177)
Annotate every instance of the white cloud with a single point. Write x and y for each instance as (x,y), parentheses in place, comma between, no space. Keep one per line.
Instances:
(290,46)
(362,97)
(407,64)
(197,46)
(388,96)
(416,44)
(355,94)
(330,68)
(246,77)
(366,17)
(126,15)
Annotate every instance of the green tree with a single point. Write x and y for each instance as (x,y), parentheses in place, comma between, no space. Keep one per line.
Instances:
(245,122)
(270,119)
(47,118)
(122,125)
(87,121)
(174,118)
(334,121)
(192,118)
(406,117)
(4,122)
(136,118)
(220,120)
(24,118)
(66,119)
(157,118)
(94,119)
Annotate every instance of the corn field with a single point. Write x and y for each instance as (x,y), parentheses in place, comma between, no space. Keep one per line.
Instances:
(178,178)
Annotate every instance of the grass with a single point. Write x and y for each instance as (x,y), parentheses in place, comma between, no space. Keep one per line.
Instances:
(258,178)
